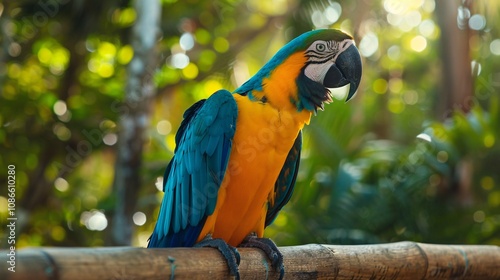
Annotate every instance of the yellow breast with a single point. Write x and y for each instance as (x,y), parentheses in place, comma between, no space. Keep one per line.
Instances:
(264,136)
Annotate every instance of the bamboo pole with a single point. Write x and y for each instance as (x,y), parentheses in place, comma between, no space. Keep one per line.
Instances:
(402,260)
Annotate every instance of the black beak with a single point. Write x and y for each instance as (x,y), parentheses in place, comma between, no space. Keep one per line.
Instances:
(346,70)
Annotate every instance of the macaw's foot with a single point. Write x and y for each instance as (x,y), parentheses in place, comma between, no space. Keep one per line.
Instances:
(269,248)
(228,252)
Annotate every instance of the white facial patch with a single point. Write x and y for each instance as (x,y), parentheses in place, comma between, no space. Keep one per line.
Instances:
(321,56)
(317,72)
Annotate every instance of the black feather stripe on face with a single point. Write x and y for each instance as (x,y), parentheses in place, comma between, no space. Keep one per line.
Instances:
(311,95)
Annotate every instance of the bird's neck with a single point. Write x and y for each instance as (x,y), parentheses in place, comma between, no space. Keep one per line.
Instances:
(276,85)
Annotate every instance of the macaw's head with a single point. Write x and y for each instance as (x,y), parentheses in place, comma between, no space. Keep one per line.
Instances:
(302,71)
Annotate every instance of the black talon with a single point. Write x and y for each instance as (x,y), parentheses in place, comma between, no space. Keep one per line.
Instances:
(269,248)
(229,253)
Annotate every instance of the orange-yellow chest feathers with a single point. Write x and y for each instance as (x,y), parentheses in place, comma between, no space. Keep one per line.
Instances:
(264,135)
(279,88)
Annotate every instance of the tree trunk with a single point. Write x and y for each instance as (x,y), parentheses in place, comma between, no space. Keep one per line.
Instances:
(457,84)
(134,119)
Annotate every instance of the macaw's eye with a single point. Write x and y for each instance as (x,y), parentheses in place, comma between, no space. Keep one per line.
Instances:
(320,47)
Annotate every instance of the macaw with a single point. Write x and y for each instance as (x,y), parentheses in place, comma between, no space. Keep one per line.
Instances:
(237,154)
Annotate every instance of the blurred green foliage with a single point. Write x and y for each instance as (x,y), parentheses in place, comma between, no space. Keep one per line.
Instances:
(385,167)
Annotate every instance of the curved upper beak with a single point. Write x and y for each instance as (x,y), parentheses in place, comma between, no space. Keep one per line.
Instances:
(346,70)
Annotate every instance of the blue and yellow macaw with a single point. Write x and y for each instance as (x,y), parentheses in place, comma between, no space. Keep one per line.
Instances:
(238,154)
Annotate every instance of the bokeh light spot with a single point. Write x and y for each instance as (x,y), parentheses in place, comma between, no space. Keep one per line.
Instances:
(495,47)
(94,220)
(107,50)
(369,44)
(125,54)
(14,49)
(380,86)
(487,183)
(396,85)
(164,127)
(221,45)
(427,28)
(186,41)
(410,97)
(206,60)
(477,22)
(413,18)
(190,71)
(418,43)
(124,17)
(394,52)
(333,12)
(61,131)
(139,218)
(281,220)
(106,70)
(44,55)
(58,233)
(61,184)
(395,105)
(110,139)
(212,86)
(159,183)
(429,5)
(395,6)
(179,60)
(60,108)
(442,156)
(489,140)
(202,36)
(478,216)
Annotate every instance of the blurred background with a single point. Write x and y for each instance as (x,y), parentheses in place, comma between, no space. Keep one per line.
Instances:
(414,156)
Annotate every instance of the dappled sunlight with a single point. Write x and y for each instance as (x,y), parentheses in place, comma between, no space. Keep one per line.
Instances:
(94,220)
(325,14)
(369,44)
(418,43)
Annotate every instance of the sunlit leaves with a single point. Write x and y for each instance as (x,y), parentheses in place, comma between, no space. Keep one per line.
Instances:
(52,55)
(202,36)
(206,60)
(102,61)
(124,17)
(190,71)
(125,54)
(380,86)
(271,7)
(166,76)
(221,45)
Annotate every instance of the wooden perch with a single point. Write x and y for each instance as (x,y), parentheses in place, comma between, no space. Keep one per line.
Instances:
(403,260)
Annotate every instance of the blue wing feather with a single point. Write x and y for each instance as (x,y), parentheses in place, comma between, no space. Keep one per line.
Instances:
(285,183)
(194,175)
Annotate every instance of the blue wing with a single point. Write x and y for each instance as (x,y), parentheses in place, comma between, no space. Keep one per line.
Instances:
(193,176)
(283,187)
